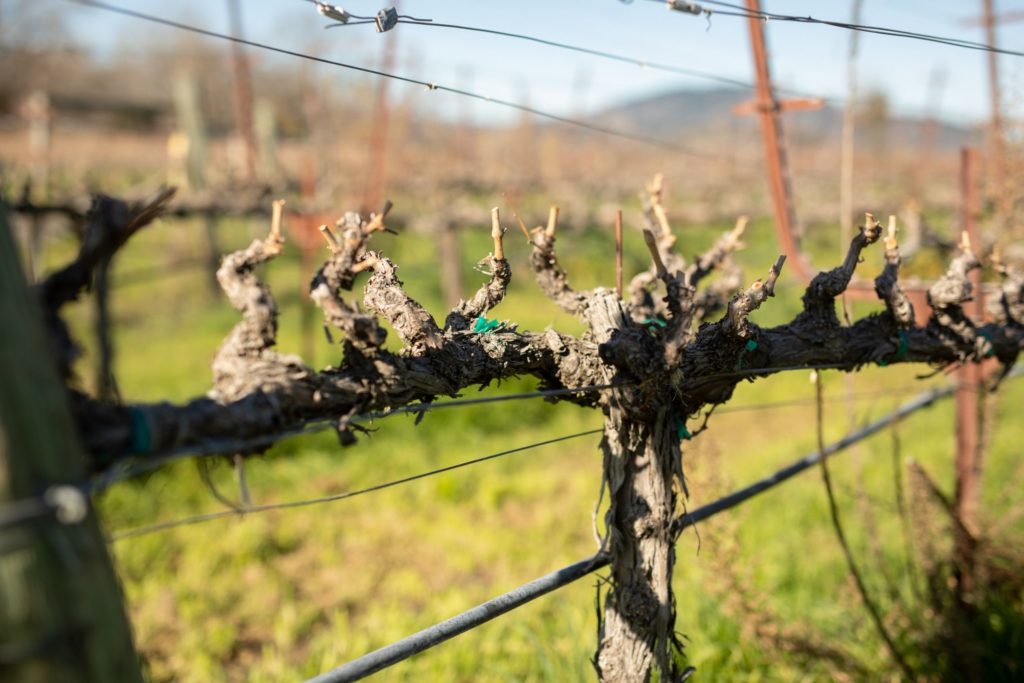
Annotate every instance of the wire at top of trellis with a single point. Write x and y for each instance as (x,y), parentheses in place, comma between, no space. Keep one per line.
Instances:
(334,12)
(734,10)
(429,85)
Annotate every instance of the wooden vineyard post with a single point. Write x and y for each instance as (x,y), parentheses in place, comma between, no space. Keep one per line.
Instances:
(243,91)
(969,399)
(768,108)
(192,145)
(996,141)
(61,611)
(999,169)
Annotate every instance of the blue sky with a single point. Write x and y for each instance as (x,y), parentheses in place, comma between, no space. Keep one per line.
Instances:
(810,59)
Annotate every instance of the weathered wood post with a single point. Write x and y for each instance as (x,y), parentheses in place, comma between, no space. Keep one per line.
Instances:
(189,114)
(265,127)
(191,145)
(61,612)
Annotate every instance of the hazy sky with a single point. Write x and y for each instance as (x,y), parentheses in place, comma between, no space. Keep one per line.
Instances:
(811,59)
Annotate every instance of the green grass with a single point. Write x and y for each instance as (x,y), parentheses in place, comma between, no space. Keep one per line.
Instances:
(284,595)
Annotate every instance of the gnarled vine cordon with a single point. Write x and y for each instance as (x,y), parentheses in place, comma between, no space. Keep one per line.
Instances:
(657,348)
(256,390)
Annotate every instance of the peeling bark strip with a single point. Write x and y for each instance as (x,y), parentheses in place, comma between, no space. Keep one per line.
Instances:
(665,357)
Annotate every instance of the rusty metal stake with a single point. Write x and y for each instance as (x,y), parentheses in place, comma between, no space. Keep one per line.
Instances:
(768,109)
(996,142)
(243,90)
(968,397)
(997,139)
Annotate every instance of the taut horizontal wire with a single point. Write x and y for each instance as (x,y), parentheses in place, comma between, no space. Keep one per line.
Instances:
(129,469)
(797,402)
(741,11)
(922,400)
(18,512)
(636,137)
(435,635)
(643,63)
(199,519)
(132,468)
(455,403)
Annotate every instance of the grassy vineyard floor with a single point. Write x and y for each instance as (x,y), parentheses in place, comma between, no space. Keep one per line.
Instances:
(284,595)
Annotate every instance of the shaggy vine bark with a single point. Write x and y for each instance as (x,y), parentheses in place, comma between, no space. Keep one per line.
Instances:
(656,351)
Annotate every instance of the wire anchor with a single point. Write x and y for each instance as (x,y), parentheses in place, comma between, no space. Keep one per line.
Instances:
(333,12)
(64,502)
(386,19)
(684,6)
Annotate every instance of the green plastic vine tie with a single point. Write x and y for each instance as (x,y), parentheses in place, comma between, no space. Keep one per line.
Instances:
(485,326)
(681,431)
(654,322)
(901,350)
(141,439)
(991,351)
(749,347)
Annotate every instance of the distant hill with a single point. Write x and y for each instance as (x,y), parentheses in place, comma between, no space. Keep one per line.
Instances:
(684,113)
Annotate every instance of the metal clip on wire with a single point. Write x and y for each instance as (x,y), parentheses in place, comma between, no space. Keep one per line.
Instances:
(333,12)
(386,19)
(68,504)
(684,6)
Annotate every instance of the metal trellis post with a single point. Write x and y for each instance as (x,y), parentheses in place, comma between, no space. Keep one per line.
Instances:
(969,401)
(769,108)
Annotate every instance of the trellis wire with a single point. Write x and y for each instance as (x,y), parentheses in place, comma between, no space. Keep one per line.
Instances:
(196,519)
(563,577)
(67,503)
(642,63)
(18,512)
(744,12)
(636,137)
(470,619)
(403,649)
(133,466)
(456,403)
(799,402)
(199,519)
